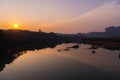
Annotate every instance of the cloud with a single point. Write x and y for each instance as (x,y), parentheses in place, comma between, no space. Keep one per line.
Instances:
(96,20)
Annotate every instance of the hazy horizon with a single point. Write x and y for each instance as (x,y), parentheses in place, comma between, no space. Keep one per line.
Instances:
(61,16)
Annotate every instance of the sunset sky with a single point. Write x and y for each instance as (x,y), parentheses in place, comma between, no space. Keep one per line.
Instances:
(64,16)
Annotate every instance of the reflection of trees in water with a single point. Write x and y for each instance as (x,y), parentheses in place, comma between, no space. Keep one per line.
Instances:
(9,55)
(8,58)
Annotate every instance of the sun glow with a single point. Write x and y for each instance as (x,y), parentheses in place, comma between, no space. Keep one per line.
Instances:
(16,26)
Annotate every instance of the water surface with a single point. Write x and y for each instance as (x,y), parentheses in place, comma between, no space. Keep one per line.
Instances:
(60,64)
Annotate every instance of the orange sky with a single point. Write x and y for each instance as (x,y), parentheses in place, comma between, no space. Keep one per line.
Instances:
(63,16)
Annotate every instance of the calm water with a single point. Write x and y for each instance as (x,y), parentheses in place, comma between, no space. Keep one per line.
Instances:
(59,64)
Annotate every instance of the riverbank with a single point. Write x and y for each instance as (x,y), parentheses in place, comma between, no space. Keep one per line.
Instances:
(108,43)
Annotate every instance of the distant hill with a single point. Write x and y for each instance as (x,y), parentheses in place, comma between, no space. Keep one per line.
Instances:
(110,32)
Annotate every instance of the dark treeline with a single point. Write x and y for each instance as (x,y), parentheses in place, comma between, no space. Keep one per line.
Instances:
(12,39)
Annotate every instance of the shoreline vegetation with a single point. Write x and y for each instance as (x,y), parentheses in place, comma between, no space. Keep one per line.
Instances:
(107,43)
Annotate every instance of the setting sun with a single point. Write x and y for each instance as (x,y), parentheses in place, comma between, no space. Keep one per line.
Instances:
(16,26)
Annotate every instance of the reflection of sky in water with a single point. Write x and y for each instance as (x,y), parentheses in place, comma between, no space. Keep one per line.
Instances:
(73,64)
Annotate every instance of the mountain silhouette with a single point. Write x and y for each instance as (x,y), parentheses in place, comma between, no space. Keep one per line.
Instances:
(110,32)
